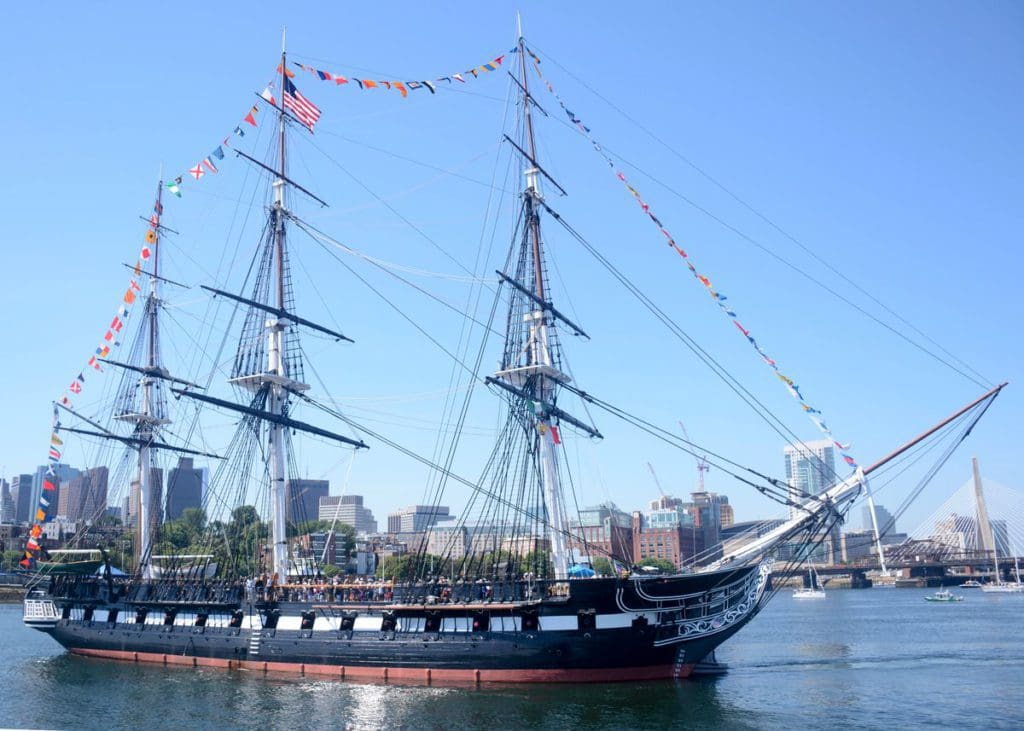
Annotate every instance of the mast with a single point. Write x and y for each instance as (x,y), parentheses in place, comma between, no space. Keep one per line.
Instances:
(275,328)
(147,419)
(540,352)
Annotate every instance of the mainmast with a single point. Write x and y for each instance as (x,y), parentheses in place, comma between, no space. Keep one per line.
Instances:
(540,376)
(275,329)
(267,362)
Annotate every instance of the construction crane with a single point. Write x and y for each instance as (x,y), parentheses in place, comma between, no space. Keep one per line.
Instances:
(702,462)
(656,480)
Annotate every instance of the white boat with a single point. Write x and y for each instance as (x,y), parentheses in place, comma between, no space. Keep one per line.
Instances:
(1003,587)
(971,584)
(814,591)
(944,595)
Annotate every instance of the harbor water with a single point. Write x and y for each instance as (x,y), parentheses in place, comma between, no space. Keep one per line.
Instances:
(878,659)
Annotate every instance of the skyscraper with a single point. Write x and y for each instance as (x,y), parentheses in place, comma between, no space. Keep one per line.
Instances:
(59,474)
(886,523)
(184,489)
(6,503)
(810,470)
(21,495)
(302,499)
(84,498)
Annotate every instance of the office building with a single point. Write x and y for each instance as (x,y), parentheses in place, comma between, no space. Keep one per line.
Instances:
(678,543)
(7,511)
(57,474)
(184,489)
(84,498)
(811,470)
(417,518)
(347,509)
(21,495)
(886,523)
(706,509)
(602,531)
(302,499)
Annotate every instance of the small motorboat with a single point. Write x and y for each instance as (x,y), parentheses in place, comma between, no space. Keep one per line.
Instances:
(943,595)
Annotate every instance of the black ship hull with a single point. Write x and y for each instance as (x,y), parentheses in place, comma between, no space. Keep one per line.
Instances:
(580,630)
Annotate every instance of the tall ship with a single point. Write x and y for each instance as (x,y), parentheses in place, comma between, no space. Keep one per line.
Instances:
(506,593)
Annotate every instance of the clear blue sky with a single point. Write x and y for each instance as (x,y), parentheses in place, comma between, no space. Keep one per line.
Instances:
(886,138)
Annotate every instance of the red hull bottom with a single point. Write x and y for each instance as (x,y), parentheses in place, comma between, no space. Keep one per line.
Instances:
(423,675)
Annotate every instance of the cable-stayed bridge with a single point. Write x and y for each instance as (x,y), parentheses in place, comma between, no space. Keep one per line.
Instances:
(977,533)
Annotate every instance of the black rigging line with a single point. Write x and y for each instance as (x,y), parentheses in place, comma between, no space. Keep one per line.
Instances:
(319,236)
(428,166)
(977,378)
(393,306)
(456,419)
(476,487)
(391,208)
(984,382)
(717,368)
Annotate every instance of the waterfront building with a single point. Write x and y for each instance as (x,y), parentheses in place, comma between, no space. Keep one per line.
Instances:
(859,545)
(677,543)
(184,489)
(21,496)
(602,531)
(85,497)
(302,499)
(706,509)
(348,509)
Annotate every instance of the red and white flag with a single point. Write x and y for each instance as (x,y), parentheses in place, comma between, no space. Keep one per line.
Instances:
(305,110)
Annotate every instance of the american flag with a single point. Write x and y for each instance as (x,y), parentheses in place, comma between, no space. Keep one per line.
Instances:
(303,108)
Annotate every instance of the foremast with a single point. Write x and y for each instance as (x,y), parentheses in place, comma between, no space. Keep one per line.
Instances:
(152,414)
